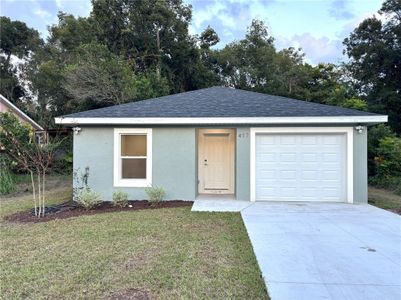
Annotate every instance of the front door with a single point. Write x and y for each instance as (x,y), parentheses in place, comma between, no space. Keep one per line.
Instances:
(216,161)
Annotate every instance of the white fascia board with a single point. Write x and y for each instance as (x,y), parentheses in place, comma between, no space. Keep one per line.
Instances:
(234,120)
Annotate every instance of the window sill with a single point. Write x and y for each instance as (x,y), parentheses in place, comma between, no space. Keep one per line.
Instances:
(132,183)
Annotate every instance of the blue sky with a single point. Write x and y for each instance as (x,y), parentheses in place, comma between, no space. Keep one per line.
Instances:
(317,26)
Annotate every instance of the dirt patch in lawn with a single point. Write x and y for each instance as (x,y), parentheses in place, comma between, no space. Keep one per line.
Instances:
(70,210)
(129,294)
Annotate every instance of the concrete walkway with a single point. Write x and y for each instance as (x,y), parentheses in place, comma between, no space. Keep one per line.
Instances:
(220,205)
(325,250)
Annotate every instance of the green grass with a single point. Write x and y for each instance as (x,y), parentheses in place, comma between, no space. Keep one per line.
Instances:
(167,253)
(384,199)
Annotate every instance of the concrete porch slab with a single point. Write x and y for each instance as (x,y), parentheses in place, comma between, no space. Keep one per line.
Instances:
(220,205)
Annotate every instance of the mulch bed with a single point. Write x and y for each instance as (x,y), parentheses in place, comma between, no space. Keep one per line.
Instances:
(396,210)
(70,210)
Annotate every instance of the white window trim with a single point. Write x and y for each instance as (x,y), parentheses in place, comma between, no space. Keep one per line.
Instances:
(117,172)
(348,131)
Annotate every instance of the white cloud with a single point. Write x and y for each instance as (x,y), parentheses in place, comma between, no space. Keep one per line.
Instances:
(317,49)
(339,10)
(59,4)
(208,13)
(350,26)
(42,13)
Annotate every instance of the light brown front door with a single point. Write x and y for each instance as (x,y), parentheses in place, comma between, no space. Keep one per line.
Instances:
(216,161)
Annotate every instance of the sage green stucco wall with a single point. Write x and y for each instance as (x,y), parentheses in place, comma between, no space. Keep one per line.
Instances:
(93,148)
(242,162)
(173,164)
(360,167)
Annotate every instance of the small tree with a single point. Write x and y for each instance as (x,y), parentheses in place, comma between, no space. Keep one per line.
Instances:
(19,143)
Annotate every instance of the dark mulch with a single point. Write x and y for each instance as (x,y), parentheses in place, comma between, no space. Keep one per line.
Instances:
(70,210)
(396,210)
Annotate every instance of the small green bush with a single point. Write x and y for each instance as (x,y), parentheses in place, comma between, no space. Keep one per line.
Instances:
(120,199)
(155,194)
(88,198)
(7,182)
(375,134)
(388,164)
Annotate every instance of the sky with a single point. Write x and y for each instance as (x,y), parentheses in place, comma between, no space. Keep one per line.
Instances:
(317,26)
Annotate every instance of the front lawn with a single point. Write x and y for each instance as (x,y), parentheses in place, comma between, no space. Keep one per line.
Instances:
(149,254)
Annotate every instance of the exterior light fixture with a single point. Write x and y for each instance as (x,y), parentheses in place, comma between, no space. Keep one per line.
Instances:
(359,128)
(76,130)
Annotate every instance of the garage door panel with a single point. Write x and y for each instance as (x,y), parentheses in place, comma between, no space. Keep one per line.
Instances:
(310,175)
(308,140)
(330,140)
(330,157)
(268,174)
(309,192)
(288,157)
(300,167)
(269,193)
(330,175)
(309,157)
(287,140)
(267,157)
(288,174)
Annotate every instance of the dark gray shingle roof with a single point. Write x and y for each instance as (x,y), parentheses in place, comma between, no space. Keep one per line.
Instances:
(218,102)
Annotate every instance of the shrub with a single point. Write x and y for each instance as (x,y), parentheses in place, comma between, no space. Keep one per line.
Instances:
(375,134)
(120,199)
(388,160)
(88,198)
(63,163)
(155,193)
(7,182)
(388,164)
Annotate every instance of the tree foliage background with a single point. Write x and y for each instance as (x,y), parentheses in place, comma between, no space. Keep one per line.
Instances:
(132,50)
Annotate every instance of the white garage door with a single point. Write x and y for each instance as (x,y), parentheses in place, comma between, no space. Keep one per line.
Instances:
(300,167)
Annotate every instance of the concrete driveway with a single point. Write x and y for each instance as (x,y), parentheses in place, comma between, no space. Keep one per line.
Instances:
(326,251)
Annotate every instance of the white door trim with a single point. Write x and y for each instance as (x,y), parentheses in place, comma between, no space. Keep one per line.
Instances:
(231,133)
(348,131)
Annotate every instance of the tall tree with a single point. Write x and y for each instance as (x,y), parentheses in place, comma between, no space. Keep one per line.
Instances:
(71,32)
(17,41)
(249,63)
(99,78)
(150,35)
(374,48)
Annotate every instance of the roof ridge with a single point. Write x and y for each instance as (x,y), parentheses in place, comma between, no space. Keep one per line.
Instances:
(219,101)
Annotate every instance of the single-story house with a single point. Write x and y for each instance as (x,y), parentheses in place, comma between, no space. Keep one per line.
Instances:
(224,141)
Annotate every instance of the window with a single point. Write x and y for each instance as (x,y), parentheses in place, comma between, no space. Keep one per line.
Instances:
(132,157)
